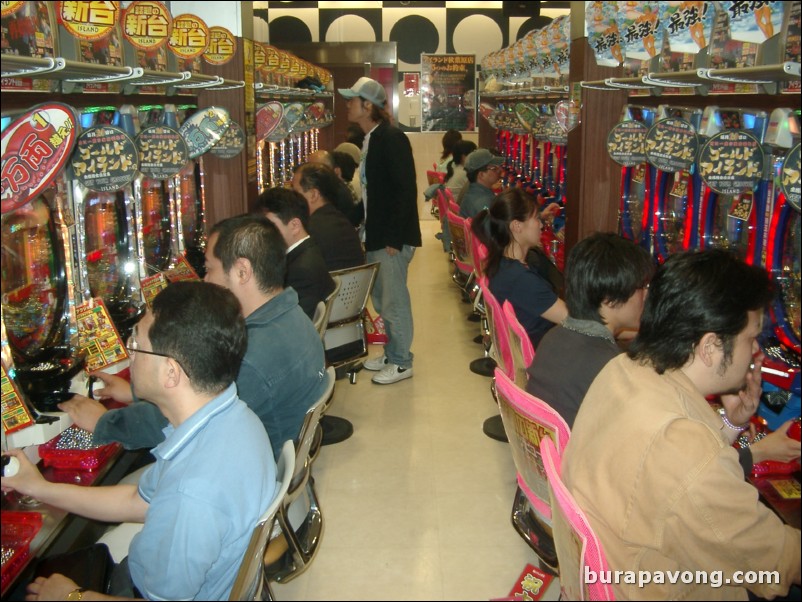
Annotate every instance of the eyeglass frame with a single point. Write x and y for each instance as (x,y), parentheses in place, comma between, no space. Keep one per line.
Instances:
(132,350)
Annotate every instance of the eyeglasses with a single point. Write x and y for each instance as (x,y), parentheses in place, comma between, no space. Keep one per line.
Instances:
(493,168)
(132,347)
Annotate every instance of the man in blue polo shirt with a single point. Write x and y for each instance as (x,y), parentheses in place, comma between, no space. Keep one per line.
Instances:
(198,513)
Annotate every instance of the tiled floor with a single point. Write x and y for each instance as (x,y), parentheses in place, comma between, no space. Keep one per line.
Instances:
(417,502)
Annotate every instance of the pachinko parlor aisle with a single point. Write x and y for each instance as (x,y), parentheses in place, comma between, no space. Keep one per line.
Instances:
(335,301)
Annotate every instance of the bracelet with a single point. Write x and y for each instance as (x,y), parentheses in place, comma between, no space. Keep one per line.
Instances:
(723,413)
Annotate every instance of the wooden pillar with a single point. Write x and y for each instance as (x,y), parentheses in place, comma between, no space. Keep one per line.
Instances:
(593,179)
(230,184)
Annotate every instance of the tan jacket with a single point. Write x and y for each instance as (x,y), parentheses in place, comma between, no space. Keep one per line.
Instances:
(648,463)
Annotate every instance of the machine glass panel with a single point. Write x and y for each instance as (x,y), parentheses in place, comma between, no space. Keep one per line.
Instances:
(31,277)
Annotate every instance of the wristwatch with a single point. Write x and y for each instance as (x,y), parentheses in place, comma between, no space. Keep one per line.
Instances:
(76,594)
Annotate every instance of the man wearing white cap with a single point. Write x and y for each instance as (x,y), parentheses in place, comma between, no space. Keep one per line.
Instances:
(391,230)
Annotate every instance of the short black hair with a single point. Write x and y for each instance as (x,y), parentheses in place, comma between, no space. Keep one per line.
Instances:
(692,294)
(284,203)
(604,267)
(255,238)
(346,164)
(321,178)
(200,325)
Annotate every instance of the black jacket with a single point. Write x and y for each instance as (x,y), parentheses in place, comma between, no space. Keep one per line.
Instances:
(336,238)
(308,275)
(392,217)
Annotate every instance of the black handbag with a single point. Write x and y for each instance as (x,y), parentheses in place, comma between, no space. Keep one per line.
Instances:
(89,567)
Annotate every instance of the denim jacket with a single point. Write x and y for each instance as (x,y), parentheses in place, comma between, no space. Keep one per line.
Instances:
(281,376)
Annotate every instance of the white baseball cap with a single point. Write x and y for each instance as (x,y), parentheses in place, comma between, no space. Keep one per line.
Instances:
(368,89)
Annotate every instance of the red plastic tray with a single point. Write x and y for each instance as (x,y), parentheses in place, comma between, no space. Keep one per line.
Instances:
(18,530)
(75,459)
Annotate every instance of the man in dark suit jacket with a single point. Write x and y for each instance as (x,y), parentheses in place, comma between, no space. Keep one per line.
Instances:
(392,229)
(329,228)
(307,272)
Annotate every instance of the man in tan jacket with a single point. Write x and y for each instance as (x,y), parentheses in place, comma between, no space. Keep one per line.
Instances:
(651,462)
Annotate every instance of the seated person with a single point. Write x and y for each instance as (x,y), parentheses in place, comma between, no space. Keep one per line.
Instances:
(606,280)
(198,513)
(456,178)
(342,196)
(282,373)
(350,177)
(483,170)
(450,139)
(649,460)
(509,229)
(307,272)
(334,235)
(345,168)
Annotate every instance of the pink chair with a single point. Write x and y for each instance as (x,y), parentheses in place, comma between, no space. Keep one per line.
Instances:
(435,177)
(521,348)
(497,325)
(463,274)
(576,543)
(449,196)
(528,421)
(452,206)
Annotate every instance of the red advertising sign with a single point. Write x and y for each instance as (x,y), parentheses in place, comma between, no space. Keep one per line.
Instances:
(35,148)
(222,46)
(147,25)
(88,20)
(190,36)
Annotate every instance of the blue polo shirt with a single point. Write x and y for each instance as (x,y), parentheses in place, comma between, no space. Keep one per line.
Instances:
(213,478)
(281,376)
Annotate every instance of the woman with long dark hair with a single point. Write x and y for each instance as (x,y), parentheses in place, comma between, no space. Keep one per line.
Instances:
(509,229)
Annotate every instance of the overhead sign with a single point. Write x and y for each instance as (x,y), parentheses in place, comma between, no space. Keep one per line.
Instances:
(189,37)
(147,24)
(88,20)
(222,46)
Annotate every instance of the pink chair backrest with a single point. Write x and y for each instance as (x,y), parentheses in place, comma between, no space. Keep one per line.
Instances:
(527,421)
(576,544)
(498,328)
(452,206)
(478,252)
(520,345)
(449,196)
(442,207)
(435,177)
(459,245)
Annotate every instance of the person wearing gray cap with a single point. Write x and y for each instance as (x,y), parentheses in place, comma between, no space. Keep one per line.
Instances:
(391,228)
(483,169)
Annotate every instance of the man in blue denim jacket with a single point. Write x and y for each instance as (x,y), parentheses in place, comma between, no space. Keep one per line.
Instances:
(283,371)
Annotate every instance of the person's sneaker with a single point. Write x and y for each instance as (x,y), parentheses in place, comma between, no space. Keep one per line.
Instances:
(376,364)
(391,373)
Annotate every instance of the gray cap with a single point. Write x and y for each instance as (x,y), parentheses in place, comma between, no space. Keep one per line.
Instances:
(481,158)
(368,89)
(350,149)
